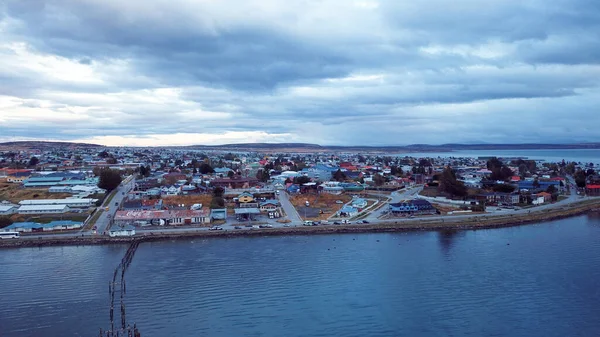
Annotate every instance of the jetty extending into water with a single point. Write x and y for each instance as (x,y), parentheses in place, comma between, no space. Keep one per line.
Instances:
(118,279)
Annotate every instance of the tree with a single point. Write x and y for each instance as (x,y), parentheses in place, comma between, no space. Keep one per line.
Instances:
(103,154)
(263,175)
(5,221)
(551,189)
(230,174)
(109,179)
(396,170)
(217,202)
(503,188)
(301,180)
(143,171)
(570,168)
(339,175)
(218,192)
(580,178)
(449,184)
(111,160)
(33,161)
(378,179)
(206,169)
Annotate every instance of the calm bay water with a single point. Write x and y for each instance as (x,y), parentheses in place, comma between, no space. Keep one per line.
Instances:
(554,155)
(538,280)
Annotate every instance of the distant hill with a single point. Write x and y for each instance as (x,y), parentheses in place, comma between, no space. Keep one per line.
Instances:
(307,147)
(44,145)
(404,148)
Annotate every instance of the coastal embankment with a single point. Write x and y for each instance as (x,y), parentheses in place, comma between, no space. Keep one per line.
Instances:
(418,224)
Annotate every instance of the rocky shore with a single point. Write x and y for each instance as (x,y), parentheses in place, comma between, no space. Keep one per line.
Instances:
(419,224)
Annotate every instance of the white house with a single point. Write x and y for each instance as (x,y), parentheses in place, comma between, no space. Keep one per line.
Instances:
(332,187)
(125,230)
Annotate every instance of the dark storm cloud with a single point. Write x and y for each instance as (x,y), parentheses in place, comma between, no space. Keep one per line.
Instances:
(290,68)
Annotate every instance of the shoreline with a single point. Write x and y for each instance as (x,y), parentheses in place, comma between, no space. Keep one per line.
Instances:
(419,224)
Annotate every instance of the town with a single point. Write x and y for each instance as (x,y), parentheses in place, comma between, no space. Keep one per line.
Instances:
(100,191)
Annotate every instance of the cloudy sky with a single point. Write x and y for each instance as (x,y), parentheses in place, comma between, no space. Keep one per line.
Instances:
(333,72)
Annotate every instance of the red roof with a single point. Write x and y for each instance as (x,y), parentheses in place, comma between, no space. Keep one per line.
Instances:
(593,186)
(515,178)
(557,179)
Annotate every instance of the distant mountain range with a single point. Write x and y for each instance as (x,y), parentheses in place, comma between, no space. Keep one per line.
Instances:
(306,147)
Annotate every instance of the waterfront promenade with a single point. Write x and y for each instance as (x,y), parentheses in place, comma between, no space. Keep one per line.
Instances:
(459,222)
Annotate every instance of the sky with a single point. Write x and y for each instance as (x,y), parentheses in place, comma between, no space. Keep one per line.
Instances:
(330,72)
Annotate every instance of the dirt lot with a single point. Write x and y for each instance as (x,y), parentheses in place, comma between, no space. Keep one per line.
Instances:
(188,200)
(444,209)
(323,202)
(15,192)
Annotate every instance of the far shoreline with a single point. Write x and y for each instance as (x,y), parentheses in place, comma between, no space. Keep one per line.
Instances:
(419,224)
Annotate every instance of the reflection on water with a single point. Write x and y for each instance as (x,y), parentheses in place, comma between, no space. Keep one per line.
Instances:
(450,283)
(448,237)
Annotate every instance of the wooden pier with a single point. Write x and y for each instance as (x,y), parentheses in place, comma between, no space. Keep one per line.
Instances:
(123,329)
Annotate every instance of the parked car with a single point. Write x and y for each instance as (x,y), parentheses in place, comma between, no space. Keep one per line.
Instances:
(286,225)
(238,227)
(365,221)
(337,223)
(216,228)
(339,202)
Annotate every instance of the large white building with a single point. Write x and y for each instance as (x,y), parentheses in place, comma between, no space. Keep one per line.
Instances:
(43,209)
(7,209)
(73,203)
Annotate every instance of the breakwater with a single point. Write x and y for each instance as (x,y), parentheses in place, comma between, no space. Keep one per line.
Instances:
(418,224)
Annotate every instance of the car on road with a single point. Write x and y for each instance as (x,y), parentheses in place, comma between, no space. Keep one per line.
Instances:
(238,227)
(365,221)
(248,225)
(116,204)
(216,228)
(286,225)
(337,223)
(339,202)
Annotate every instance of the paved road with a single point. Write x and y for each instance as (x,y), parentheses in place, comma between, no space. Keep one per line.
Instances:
(103,221)
(290,210)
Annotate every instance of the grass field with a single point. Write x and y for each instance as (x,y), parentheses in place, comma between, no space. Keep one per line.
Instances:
(15,192)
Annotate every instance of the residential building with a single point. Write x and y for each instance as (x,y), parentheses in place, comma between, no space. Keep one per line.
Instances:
(8,209)
(73,203)
(43,209)
(59,225)
(269,205)
(125,230)
(419,206)
(162,217)
(592,190)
